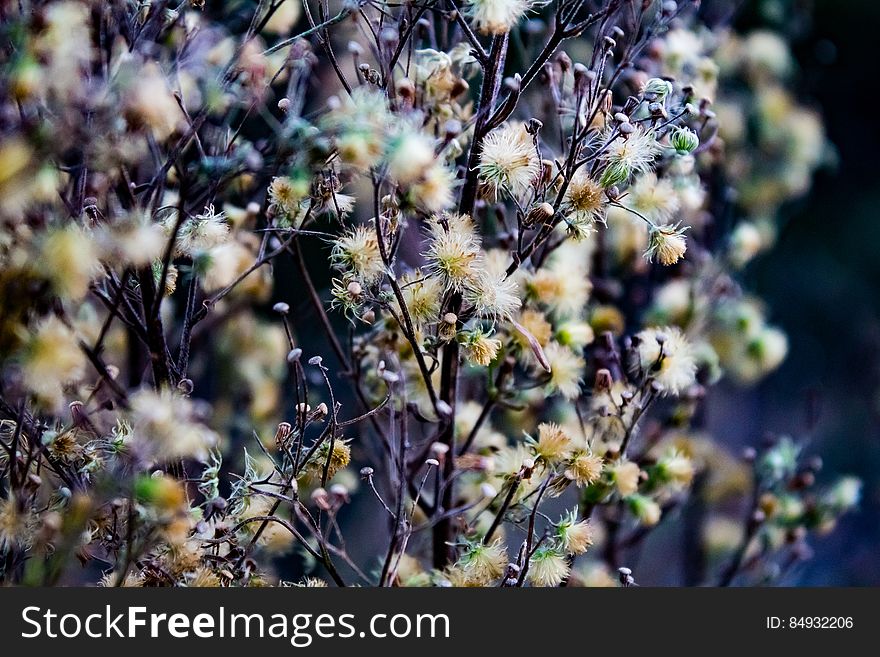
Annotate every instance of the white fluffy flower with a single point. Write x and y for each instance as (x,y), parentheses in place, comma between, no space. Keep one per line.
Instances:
(655,198)
(566,368)
(509,160)
(357,252)
(627,155)
(667,356)
(493,297)
(497,16)
(453,250)
(666,244)
(53,360)
(410,155)
(165,427)
(202,232)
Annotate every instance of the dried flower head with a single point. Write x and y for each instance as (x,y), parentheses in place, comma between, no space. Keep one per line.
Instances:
(574,536)
(357,253)
(16,526)
(482,563)
(479,347)
(666,355)
(653,197)
(508,160)
(625,477)
(627,155)
(585,202)
(166,427)
(53,359)
(553,443)
(200,233)
(583,468)
(548,567)
(645,509)
(453,250)
(566,369)
(667,244)
(497,16)
(286,196)
(493,298)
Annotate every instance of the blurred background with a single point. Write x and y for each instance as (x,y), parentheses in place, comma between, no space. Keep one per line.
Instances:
(822,284)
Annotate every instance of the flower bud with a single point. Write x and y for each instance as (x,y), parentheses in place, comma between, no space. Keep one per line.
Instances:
(539,214)
(684,140)
(656,89)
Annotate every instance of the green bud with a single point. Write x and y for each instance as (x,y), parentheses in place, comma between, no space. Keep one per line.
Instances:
(644,508)
(615,173)
(656,89)
(685,141)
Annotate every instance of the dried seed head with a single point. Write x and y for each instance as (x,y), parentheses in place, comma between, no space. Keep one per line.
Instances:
(281,308)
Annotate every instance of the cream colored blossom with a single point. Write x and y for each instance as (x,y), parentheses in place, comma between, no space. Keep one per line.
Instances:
(497,16)
(165,427)
(553,443)
(548,567)
(566,369)
(508,160)
(574,536)
(483,563)
(667,244)
(357,252)
(453,250)
(667,356)
(53,359)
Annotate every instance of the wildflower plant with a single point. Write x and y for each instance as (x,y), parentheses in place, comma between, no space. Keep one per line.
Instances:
(508,251)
